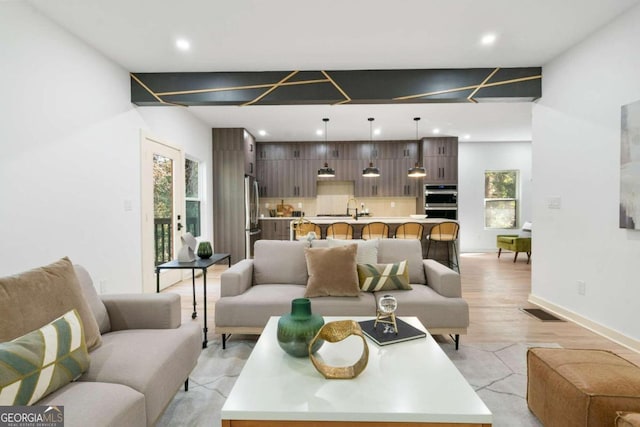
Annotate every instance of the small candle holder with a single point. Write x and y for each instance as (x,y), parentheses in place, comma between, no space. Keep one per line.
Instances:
(385,312)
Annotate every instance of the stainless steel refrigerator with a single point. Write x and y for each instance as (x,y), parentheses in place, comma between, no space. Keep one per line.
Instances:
(251,208)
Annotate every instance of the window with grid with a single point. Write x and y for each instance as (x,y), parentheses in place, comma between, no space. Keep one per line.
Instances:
(500,199)
(192,196)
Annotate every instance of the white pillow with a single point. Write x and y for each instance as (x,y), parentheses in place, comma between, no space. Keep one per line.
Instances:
(367,249)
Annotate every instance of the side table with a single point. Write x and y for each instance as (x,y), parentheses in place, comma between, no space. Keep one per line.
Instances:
(198,264)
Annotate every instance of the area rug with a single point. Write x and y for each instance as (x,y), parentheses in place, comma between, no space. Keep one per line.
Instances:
(496,371)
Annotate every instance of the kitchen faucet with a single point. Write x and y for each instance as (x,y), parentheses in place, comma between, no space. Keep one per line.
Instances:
(352,209)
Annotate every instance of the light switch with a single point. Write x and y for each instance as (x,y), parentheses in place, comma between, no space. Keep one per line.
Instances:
(554,202)
(128,205)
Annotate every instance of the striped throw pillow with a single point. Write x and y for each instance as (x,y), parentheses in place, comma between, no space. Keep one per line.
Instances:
(40,362)
(384,277)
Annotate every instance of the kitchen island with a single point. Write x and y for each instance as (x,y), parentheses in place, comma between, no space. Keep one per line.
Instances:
(282,228)
(392,221)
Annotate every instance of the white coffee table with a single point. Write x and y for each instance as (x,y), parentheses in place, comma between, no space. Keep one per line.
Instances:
(408,384)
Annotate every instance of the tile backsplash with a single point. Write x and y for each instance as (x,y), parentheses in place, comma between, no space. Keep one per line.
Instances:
(378,206)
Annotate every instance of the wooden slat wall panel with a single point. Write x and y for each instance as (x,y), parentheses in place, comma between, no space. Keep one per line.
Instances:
(228,192)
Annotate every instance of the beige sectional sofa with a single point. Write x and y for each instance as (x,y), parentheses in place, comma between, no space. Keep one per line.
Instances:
(255,289)
(142,357)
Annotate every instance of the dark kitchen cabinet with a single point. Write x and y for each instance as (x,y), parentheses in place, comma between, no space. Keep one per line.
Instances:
(287,169)
(231,161)
(440,157)
(275,229)
(249,154)
(290,169)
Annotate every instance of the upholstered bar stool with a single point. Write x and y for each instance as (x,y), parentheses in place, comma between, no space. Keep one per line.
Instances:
(340,230)
(375,230)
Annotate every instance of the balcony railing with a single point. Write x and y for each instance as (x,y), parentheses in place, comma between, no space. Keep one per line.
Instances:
(163,235)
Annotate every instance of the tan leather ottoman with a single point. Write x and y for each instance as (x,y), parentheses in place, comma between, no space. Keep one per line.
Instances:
(584,388)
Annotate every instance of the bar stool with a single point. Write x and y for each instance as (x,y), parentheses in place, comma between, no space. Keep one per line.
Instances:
(340,230)
(375,230)
(409,230)
(303,228)
(445,232)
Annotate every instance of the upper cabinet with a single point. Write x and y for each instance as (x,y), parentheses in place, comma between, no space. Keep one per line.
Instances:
(440,156)
(249,154)
(290,169)
(287,169)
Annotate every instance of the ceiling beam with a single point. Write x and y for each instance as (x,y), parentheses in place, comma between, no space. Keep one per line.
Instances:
(337,87)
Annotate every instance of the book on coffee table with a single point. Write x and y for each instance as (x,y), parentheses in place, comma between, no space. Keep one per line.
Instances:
(383,334)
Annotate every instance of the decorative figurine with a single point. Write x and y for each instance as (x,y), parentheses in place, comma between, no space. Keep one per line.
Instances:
(187,251)
(385,313)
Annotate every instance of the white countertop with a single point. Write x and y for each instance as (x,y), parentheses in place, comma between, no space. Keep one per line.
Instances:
(413,381)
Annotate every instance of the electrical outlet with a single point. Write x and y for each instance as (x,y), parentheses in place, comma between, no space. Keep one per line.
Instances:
(393,204)
(582,287)
(103,286)
(266,205)
(300,205)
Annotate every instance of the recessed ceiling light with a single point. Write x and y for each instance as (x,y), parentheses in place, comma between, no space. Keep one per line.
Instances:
(183,44)
(262,132)
(377,131)
(319,132)
(436,130)
(488,39)
(466,136)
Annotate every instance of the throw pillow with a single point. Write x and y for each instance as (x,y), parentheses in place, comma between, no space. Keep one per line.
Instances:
(36,297)
(40,362)
(384,277)
(367,249)
(332,272)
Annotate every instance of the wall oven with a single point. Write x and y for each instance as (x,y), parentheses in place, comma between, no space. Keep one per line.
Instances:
(441,201)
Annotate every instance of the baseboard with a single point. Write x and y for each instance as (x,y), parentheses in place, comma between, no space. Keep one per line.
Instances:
(597,328)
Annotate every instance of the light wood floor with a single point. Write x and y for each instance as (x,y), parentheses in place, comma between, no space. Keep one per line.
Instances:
(496,290)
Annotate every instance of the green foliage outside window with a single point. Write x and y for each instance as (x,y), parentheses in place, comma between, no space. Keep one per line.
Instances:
(162,186)
(191,179)
(500,203)
(192,195)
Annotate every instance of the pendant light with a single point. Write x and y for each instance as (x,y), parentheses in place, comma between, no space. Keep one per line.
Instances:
(417,171)
(371,171)
(326,171)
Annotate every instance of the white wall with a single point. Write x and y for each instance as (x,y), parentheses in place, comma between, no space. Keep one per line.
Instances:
(71,152)
(474,158)
(576,157)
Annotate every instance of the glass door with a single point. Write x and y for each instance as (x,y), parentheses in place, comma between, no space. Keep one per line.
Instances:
(163,216)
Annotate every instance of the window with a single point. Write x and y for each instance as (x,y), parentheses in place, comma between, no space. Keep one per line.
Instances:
(192,196)
(500,199)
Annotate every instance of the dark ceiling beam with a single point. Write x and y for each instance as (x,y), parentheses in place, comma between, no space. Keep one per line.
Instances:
(337,87)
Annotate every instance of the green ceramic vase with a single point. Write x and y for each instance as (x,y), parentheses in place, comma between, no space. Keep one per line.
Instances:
(296,330)
(204,250)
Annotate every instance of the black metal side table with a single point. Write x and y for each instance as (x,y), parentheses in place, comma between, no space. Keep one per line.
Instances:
(198,264)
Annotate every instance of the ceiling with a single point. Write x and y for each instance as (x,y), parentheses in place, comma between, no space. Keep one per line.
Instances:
(277,35)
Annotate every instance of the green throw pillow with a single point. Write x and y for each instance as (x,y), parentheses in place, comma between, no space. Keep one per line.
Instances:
(384,277)
(40,362)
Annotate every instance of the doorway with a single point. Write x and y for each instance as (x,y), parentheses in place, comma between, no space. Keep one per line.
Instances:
(162,209)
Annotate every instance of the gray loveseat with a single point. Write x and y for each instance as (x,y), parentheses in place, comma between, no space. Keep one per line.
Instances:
(144,357)
(255,289)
